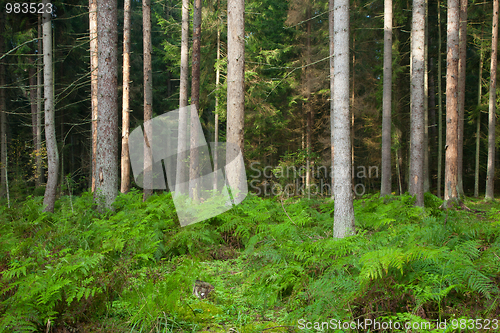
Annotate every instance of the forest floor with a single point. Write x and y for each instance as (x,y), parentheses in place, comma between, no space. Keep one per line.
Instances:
(273,264)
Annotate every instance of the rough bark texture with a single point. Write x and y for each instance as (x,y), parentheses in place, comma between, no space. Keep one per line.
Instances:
(332,87)
(217,82)
(426,187)
(478,124)
(386,101)
(307,78)
(417,109)
(181,171)
(32,83)
(490,177)
(39,170)
(107,123)
(343,224)
(461,92)
(3,115)
(235,86)
(451,165)
(93,84)
(440,106)
(50,130)
(148,97)
(125,158)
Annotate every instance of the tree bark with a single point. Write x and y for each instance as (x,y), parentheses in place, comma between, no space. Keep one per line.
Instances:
(478,122)
(125,158)
(343,224)
(440,106)
(386,101)
(181,178)
(332,87)
(50,130)
(217,82)
(426,172)
(148,98)
(93,84)
(461,92)
(107,122)
(39,169)
(3,114)
(417,109)
(235,92)
(451,162)
(490,177)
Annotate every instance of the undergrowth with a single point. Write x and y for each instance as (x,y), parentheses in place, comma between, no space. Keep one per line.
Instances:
(274,265)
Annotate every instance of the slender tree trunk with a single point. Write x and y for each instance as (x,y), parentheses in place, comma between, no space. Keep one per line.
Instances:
(195,100)
(343,224)
(461,93)
(332,87)
(125,160)
(93,84)
(451,165)
(39,170)
(432,120)
(490,177)
(217,82)
(181,177)
(426,104)
(50,130)
(440,106)
(386,101)
(235,93)
(478,122)
(3,114)
(107,122)
(417,110)
(148,98)
(32,83)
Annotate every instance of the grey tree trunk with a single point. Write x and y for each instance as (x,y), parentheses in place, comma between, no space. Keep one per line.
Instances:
(426,104)
(417,109)
(386,102)
(3,115)
(451,163)
(38,159)
(125,158)
(490,177)
(478,122)
(440,106)
(181,177)
(332,87)
(235,92)
(461,92)
(107,122)
(217,82)
(32,83)
(50,130)
(93,84)
(343,224)
(148,98)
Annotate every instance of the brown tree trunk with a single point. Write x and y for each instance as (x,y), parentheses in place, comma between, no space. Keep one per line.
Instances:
(50,130)
(386,101)
(39,170)
(490,177)
(478,121)
(417,109)
(451,162)
(461,92)
(93,84)
(440,106)
(332,87)
(3,114)
(216,125)
(107,123)
(125,158)
(32,83)
(148,99)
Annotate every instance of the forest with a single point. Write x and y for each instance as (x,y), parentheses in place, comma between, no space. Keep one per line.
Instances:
(249,166)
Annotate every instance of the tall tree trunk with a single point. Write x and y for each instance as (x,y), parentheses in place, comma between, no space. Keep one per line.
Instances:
(3,114)
(235,93)
(195,100)
(93,84)
(125,161)
(181,182)
(307,75)
(451,162)
(478,121)
(426,172)
(107,123)
(432,119)
(32,83)
(148,98)
(440,106)
(332,87)
(343,224)
(461,93)
(490,177)
(39,63)
(386,101)
(50,130)
(417,109)
(217,82)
